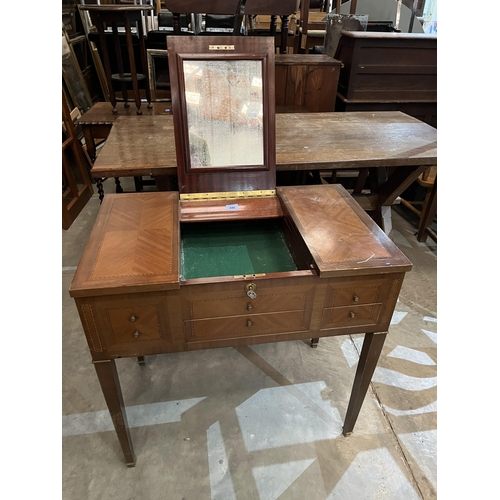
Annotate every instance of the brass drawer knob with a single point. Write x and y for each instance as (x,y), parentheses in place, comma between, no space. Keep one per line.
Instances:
(355,298)
(351,314)
(249,307)
(249,323)
(132,318)
(137,335)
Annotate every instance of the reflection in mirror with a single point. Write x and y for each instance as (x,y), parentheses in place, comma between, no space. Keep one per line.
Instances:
(224,112)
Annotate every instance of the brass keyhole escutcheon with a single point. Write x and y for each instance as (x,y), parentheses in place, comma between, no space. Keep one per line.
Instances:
(250,290)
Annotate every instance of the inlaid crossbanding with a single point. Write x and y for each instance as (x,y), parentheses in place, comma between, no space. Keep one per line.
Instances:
(136,242)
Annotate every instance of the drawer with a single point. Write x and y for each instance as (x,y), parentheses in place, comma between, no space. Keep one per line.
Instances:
(355,292)
(133,320)
(135,323)
(205,302)
(341,317)
(247,326)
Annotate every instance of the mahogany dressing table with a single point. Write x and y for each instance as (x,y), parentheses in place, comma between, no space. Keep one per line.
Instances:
(231,259)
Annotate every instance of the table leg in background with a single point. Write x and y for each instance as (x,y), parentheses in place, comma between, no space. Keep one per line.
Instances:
(427,216)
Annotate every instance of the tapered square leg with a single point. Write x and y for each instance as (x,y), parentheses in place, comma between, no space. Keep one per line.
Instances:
(372,347)
(110,385)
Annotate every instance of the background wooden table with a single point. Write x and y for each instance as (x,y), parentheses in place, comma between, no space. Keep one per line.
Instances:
(392,146)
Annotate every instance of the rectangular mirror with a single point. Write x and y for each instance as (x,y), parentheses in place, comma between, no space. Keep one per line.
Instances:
(223,105)
(224,112)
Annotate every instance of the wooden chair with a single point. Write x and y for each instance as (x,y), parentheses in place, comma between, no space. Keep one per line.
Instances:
(76,183)
(114,15)
(428,180)
(310,33)
(270,25)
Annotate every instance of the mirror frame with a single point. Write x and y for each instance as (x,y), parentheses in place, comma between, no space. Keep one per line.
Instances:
(222,48)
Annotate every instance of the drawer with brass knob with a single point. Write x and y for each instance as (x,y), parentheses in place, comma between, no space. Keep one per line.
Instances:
(339,317)
(356,291)
(127,321)
(256,297)
(241,326)
(134,323)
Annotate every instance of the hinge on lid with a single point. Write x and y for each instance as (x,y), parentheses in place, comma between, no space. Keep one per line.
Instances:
(228,195)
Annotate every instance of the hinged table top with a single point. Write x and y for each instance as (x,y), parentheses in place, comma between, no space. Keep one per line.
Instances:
(341,237)
(134,245)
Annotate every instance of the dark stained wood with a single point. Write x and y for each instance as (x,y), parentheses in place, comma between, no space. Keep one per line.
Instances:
(254,7)
(388,71)
(340,235)
(424,227)
(228,178)
(311,28)
(306,80)
(111,15)
(100,113)
(78,187)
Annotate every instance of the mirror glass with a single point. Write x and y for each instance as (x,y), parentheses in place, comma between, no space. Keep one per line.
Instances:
(224,112)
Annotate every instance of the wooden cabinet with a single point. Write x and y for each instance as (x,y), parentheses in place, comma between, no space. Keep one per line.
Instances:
(388,72)
(306,82)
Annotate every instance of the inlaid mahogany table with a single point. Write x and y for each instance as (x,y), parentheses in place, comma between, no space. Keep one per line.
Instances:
(396,148)
(134,300)
(230,258)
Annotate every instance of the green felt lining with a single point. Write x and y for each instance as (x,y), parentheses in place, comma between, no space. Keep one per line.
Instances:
(210,249)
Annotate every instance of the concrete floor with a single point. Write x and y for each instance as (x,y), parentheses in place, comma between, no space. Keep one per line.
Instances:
(273,428)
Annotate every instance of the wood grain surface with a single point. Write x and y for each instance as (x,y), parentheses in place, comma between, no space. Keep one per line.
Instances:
(145,145)
(134,243)
(341,237)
